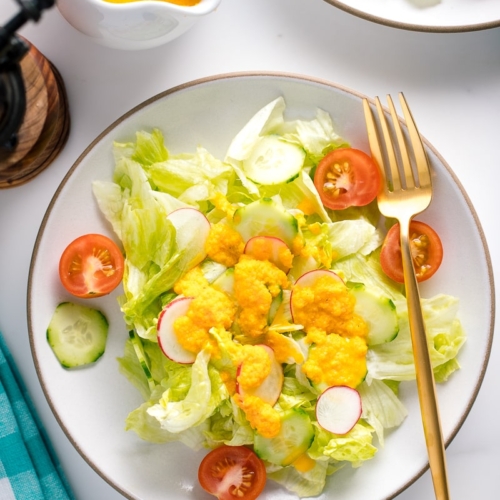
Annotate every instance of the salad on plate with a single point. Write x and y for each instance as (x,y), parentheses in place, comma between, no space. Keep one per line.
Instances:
(262,325)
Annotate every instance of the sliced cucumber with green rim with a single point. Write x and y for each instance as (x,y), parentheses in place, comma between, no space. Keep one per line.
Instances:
(225,282)
(274,161)
(141,357)
(379,312)
(295,437)
(265,217)
(77,334)
(273,309)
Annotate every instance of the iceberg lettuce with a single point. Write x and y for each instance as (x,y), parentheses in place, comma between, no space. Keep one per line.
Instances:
(149,429)
(394,360)
(381,407)
(148,148)
(304,484)
(206,392)
(316,137)
(191,178)
(355,446)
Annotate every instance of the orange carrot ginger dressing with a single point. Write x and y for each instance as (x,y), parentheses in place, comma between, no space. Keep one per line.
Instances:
(186,3)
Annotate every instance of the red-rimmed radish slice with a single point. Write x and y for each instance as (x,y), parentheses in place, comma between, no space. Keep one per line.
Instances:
(338,409)
(270,389)
(192,228)
(301,265)
(265,217)
(310,278)
(167,339)
(269,248)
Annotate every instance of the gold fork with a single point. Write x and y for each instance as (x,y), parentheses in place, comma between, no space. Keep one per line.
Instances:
(402,197)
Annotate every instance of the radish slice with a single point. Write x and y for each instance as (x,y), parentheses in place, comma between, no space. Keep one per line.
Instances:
(192,229)
(338,409)
(270,389)
(267,248)
(310,278)
(167,339)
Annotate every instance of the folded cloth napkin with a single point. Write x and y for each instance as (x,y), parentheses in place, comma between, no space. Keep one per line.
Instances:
(29,469)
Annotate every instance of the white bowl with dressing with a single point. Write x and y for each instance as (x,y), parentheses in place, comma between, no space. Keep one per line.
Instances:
(134,25)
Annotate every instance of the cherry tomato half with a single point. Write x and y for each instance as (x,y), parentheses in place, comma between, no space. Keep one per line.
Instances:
(426,250)
(232,472)
(347,177)
(91,266)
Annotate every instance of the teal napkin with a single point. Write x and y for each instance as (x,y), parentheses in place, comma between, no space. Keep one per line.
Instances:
(29,469)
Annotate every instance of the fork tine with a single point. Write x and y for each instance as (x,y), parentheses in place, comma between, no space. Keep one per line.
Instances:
(409,178)
(373,139)
(389,145)
(424,176)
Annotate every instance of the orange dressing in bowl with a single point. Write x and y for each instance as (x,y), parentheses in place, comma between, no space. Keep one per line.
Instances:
(186,3)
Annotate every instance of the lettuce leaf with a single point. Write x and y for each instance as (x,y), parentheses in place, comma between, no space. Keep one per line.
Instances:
(381,407)
(148,148)
(394,360)
(150,429)
(205,393)
(366,269)
(304,484)
(316,137)
(192,178)
(355,446)
(351,237)
(229,426)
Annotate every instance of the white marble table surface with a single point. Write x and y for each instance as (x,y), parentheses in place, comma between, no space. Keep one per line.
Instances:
(451,80)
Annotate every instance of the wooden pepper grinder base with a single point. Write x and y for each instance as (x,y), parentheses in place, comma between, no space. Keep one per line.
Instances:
(46,123)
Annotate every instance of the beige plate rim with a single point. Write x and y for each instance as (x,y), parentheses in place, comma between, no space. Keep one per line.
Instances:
(413,27)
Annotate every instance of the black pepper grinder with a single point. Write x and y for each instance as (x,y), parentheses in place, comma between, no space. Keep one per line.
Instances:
(34,117)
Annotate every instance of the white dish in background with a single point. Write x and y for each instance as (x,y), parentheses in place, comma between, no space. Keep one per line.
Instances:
(440,16)
(140,24)
(91,404)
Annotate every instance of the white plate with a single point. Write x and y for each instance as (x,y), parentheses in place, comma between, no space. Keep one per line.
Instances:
(447,16)
(91,404)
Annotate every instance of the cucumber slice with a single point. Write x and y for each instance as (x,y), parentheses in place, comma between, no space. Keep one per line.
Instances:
(77,334)
(141,356)
(265,217)
(212,270)
(275,305)
(274,161)
(379,313)
(294,438)
(225,282)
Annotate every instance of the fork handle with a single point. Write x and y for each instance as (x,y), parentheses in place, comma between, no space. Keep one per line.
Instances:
(424,374)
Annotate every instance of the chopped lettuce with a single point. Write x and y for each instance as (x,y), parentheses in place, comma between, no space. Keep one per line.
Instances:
(304,484)
(354,447)
(381,407)
(191,178)
(229,426)
(149,429)
(316,137)
(148,148)
(394,360)
(206,392)
(358,268)
(191,403)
